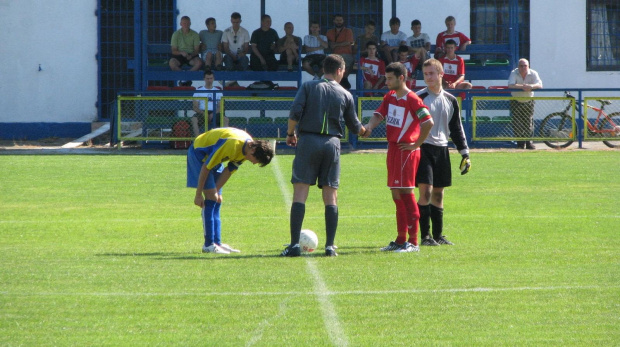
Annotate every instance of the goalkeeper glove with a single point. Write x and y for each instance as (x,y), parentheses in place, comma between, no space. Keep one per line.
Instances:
(465,164)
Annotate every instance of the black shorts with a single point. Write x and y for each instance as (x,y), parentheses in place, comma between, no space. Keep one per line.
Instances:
(314,59)
(182,60)
(317,157)
(434,168)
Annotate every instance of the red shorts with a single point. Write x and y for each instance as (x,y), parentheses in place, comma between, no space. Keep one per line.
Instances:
(401,166)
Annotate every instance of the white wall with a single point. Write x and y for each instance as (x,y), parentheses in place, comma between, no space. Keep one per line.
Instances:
(432,14)
(558,46)
(61,35)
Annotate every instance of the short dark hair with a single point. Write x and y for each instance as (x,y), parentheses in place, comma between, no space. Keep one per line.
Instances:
(264,16)
(450,19)
(332,63)
(397,69)
(186,17)
(208,72)
(371,43)
(416,22)
(394,20)
(263,152)
(371,22)
(337,15)
(403,48)
(235,15)
(209,20)
(314,21)
(450,42)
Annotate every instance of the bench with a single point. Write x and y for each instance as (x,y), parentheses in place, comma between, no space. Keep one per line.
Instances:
(155,68)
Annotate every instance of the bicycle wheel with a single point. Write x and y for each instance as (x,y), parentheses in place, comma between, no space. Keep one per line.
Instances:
(606,125)
(558,126)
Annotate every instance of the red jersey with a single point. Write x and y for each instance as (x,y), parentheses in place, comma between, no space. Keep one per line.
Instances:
(452,68)
(376,69)
(457,36)
(411,65)
(403,116)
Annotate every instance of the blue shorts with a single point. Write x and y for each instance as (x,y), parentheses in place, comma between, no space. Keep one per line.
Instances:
(194,165)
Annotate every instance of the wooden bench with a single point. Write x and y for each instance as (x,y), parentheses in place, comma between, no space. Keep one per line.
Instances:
(155,68)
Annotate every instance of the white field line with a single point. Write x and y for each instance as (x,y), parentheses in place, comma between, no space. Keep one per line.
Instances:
(330,317)
(258,332)
(325,293)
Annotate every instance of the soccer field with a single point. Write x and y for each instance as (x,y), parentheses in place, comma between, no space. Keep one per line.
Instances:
(106,250)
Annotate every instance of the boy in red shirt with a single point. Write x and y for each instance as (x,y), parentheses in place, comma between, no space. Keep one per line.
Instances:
(453,69)
(408,124)
(450,34)
(411,64)
(373,68)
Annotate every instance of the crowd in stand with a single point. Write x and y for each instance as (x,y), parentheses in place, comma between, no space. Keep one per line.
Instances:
(212,49)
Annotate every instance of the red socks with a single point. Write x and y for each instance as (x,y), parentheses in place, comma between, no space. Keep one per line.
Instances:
(401,221)
(413,215)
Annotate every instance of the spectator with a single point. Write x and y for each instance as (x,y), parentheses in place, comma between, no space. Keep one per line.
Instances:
(236,44)
(461,39)
(263,55)
(185,47)
(367,36)
(314,46)
(408,124)
(373,68)
(453,68)
(434,172)
(341,42)
(288,47)
(199,105)
(419,43)
(316,117)
(522,110)
(411,64)
(391,40)
(211,45)
(207,174)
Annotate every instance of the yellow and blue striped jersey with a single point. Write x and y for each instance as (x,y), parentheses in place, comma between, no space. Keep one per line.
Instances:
(220,145)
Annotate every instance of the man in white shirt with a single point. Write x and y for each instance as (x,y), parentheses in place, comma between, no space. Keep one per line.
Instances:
(212,106)
(236,45)
(391,40)
(522,110)
(314,47)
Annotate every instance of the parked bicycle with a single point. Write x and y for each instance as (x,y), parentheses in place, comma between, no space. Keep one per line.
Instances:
(560,125)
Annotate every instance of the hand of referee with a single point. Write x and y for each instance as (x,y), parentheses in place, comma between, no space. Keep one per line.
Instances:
(465,164)
(291,140)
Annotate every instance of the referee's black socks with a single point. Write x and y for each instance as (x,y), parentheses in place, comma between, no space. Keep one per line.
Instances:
(298,210)
(331,224)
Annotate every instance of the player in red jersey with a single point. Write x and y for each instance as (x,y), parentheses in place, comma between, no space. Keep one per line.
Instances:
(453,69)
(373,68)
(461,39)
(408,124)
(411,64)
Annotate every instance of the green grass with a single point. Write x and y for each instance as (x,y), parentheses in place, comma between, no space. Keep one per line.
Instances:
(105,250)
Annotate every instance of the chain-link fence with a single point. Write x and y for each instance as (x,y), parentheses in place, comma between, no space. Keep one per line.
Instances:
(158,118)
(502,118)
(261,117)
(601,116)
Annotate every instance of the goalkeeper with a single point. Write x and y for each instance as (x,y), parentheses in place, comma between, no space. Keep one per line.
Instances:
(434,171)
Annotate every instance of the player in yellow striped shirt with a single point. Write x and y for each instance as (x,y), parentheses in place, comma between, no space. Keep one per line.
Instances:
(207,173)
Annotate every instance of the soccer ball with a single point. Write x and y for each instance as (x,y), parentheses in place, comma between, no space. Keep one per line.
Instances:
(308,240)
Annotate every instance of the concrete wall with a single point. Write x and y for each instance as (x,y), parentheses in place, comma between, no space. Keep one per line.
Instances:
(60,36)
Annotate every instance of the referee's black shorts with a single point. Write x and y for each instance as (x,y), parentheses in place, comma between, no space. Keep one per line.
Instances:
(434,168)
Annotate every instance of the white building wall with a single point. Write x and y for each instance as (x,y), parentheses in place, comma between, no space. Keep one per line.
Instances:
(61,37)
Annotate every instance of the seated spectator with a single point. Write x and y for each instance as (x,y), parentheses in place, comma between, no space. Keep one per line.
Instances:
(211,45)
(373,68)
(341,41)
(199,106)
(453,68)
(185,47)
(391,40)
(363,39)
(263,41)
(314,47)
(236,44)
(459,38)
(288,47)
(411,63)
(419,43)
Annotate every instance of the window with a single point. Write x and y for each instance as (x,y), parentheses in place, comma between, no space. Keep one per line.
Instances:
(603,35)
(356,13)
(490,23)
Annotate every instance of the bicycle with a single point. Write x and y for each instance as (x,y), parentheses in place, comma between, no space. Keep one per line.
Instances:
(560,125)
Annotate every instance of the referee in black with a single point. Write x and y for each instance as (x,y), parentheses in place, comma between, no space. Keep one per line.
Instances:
(314,129)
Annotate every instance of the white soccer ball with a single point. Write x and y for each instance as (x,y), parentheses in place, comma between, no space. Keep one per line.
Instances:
(308,241)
